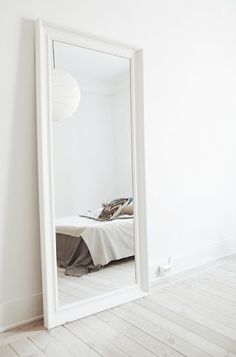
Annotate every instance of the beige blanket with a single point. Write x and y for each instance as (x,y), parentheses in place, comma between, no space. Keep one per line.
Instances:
(106,240)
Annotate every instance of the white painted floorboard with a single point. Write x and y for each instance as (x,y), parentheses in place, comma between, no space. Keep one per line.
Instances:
(114,276)
(187,315)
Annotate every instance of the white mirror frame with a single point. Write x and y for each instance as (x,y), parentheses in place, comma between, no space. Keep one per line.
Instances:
(53,314)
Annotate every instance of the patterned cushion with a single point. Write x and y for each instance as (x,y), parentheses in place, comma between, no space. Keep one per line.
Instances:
(113,209)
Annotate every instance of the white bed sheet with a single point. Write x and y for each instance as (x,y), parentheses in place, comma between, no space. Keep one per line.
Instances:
(106,241)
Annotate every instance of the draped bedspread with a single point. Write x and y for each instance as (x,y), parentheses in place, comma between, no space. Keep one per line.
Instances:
(106,241)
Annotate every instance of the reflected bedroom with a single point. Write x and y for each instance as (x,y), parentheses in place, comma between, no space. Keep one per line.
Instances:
(92,164)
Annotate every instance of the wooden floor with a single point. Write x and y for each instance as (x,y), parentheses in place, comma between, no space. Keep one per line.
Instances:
(114,276)
(193,315)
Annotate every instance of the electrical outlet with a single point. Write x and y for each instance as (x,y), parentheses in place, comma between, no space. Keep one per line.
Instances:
(165,269)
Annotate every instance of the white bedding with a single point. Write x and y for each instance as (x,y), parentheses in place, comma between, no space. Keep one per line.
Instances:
(106,241)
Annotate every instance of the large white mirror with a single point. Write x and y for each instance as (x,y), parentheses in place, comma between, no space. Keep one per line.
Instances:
(91,173)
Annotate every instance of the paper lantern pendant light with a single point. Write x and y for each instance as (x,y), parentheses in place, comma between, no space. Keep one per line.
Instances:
(65,95)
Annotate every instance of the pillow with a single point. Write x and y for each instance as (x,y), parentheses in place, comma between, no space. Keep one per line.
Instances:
(113,209)
(128,209)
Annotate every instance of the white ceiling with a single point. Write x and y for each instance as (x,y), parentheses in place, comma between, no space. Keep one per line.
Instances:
(87,64)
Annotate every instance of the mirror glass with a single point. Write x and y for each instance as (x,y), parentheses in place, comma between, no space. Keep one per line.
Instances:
(92,158)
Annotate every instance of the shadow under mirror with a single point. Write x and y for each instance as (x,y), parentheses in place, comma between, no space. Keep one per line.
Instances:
(92,157)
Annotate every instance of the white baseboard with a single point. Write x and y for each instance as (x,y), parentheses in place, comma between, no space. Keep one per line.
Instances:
(20,312)
(191,259)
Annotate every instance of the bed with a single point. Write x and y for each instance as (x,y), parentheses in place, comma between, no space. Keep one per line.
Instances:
(85,245)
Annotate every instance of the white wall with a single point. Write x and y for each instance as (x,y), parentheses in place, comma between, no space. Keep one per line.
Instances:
(190,128)
(84,159)
(122,130)
(92,151)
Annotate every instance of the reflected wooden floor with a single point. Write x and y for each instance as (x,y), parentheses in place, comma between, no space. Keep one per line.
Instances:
(191,314)
(114,276)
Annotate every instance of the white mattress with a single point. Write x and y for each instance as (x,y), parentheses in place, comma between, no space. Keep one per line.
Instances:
(106,241)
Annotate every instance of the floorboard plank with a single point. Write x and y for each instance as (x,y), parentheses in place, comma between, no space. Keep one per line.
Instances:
(7,351)
(198,293)
(49,345)
(161,333)
(117,338)
(92,339)
(138,335)
(204,337)
(26,348)
(185,304)
(215,289)
(73,343)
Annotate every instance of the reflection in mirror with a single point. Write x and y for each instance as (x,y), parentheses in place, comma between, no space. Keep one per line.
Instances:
(93,200)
